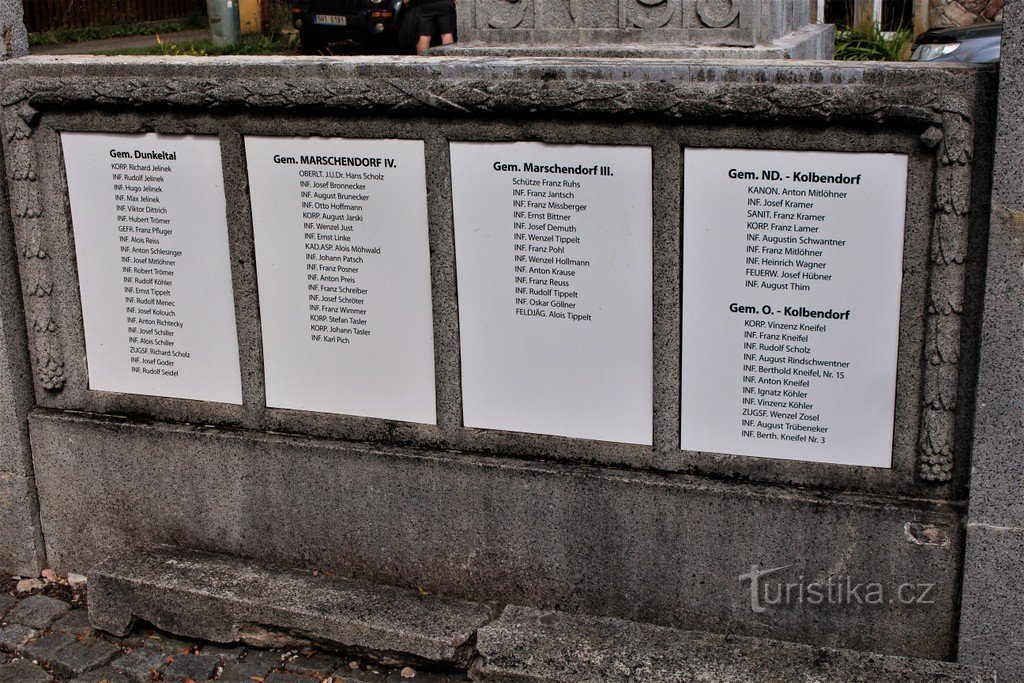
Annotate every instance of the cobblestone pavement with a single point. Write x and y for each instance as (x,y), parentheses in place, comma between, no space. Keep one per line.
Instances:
(45,636)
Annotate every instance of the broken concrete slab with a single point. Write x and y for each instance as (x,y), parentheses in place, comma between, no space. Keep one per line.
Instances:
(527,644)
(223,599)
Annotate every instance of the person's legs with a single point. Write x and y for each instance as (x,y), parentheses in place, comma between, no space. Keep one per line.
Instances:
(428,27)
(446,25)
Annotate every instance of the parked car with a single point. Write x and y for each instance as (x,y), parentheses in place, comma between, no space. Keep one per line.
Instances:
(978,43)
(370,22)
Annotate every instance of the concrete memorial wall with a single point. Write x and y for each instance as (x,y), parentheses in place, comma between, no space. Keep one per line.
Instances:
(688,343)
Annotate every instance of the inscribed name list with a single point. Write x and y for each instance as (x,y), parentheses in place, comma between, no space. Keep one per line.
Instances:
(792,273)
(554,260)
(150,229)
(343,264)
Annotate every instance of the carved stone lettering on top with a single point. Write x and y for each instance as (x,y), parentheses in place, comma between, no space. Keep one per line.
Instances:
(504,14)
(649,13)
(718,13)
(576,14)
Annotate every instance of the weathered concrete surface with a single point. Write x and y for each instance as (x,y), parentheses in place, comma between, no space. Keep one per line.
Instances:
(814,41)
(810,42)
(663,538)
(13,36)
(591,22)
(992,618)
(226,600)
(666,549)
(21,547)
(532,645)
(934,115)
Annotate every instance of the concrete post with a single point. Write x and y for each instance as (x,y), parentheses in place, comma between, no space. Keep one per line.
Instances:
(21,545)
(992,610)
(864,14)
(13,36)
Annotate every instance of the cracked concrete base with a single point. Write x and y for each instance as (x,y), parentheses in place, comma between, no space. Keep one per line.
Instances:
(533,645)
(225,599)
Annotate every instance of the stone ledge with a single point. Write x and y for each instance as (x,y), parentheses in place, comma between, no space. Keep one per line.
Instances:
(226,599)
(526,644)
(814,41)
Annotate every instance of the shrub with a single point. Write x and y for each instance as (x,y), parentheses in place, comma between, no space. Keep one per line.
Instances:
(870,45)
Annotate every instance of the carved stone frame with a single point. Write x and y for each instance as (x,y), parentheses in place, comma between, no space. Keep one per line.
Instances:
(945,123)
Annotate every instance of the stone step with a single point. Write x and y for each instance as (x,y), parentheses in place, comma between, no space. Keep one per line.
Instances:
(527,644)
(227,599)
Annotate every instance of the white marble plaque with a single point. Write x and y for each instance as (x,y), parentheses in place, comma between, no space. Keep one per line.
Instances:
(553,250)
(343,262)
(792,270)
(152,247)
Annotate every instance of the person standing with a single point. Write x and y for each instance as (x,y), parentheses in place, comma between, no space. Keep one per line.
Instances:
(435,17)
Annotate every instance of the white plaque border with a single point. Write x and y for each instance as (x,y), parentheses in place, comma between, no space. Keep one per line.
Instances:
(916,317)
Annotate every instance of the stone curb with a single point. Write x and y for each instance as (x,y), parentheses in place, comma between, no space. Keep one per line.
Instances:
(526,644)
(225,599)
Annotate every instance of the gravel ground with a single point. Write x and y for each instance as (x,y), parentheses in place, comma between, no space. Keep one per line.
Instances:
(45,636)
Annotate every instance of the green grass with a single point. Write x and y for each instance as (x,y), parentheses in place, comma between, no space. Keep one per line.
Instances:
(76,35)
(859,45)
(247,45)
